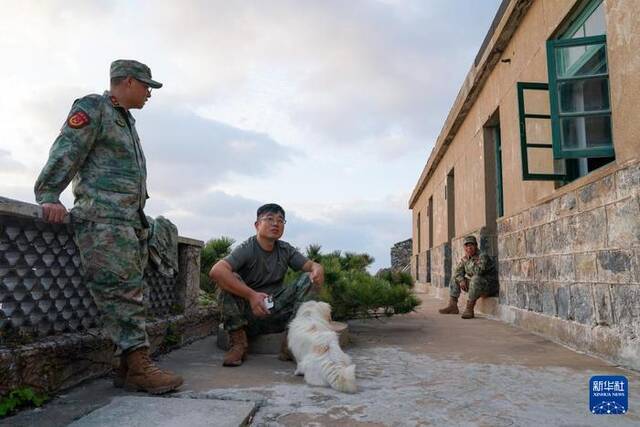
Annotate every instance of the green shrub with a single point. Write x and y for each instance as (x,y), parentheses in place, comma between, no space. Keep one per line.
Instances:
(212,251)
(353,292)
(207,298)
(21,397)
(397,277)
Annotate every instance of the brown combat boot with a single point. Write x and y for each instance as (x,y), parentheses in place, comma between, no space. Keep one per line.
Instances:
(452,308)
(120,372)
(144,375)
(285,354)
(238,351)
(468,312)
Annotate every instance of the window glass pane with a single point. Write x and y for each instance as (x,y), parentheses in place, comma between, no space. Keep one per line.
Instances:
(584,95)
(576,61)
(560,166)
(594,25)
(586,132)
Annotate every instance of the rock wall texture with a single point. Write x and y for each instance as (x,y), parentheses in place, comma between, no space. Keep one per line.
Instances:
(440,265)
(576,258)
(401,255)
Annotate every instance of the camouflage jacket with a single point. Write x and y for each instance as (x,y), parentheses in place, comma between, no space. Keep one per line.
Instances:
(478,265)
(99,148)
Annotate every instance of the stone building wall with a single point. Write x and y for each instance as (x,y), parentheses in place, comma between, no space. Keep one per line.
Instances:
(424,266)
(440,264)
(574,263)
(401,255)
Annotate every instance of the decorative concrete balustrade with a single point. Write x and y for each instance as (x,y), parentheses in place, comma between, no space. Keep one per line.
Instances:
(41,287)
(49,325)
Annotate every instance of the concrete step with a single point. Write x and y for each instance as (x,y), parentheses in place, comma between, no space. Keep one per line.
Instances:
(168,412)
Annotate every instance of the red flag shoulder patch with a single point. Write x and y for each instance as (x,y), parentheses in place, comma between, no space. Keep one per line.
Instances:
(78,120)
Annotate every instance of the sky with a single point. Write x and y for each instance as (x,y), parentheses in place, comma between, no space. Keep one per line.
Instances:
(329,108)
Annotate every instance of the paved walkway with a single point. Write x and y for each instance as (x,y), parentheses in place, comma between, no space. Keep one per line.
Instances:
(416,370)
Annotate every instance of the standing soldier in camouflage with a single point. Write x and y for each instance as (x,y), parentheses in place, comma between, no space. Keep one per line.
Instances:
(99,148)
(254,271)
(476,274)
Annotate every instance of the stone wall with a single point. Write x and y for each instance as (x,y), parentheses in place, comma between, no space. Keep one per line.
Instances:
(424,266)
(401,255)
(440,264)
(420,267)
(59,362)
(575,262)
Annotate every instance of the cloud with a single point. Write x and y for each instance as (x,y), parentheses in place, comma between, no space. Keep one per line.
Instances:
(341,72)
(188,154)
(312,104)
(8,164)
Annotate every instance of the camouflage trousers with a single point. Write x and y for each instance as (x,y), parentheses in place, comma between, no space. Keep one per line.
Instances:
(113,260)
(478,286)
(236,311)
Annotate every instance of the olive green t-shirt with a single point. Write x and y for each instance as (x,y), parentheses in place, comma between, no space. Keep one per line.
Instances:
(261,270)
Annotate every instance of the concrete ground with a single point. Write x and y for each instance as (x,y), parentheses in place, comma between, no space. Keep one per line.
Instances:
(415,370)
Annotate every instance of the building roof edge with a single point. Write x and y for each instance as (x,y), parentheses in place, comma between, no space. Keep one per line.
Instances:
(508,17)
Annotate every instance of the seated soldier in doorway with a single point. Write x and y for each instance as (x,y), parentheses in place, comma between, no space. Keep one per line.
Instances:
(253,297)
(476,274)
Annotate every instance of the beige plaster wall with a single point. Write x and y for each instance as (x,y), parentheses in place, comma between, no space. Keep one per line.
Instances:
(526,53)
(623,45)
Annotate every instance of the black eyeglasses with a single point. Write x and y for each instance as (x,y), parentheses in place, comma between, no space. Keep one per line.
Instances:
(273,220)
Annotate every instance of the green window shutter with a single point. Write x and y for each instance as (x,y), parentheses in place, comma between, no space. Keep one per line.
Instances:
(543,147)
(579,97)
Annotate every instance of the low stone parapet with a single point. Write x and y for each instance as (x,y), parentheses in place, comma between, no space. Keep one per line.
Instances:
(49,324)
(59,362)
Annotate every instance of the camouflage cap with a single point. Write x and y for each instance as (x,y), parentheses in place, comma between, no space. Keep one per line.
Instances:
(135,69)
(470,239)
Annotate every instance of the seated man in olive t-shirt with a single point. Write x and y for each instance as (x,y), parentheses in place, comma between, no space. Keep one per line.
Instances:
(253,272)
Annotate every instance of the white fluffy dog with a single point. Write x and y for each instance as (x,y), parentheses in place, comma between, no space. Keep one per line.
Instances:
(315,345)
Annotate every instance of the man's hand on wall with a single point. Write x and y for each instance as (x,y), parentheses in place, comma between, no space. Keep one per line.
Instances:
(54,212)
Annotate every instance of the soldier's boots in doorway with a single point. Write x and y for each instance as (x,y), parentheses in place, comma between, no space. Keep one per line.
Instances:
(452,308)
(468,311)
